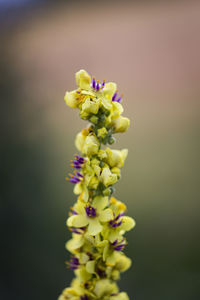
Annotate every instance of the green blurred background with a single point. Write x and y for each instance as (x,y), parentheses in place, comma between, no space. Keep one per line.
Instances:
(151,49)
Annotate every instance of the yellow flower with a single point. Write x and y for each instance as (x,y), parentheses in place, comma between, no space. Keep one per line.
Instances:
(91,215)
(116,158)
(83,79)
(91,145)
(108,178)
(90,106)
(105,287)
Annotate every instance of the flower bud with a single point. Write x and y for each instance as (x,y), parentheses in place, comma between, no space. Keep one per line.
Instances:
(116,158)
(91,145)
(71,99)
(121,124)
(108,178)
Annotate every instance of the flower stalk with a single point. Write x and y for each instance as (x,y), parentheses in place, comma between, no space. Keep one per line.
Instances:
(97,220)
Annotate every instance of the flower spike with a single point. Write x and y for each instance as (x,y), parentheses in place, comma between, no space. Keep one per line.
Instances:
(97,220)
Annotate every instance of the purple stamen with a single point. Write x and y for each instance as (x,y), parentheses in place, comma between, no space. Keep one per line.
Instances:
(79,158)
(118,246)
(75,230)
(114,222)
(119,216)
(114,243)
(79,174)
(74,263)
(93,83)
(90,211)
(102,85)
(74,212)
(74,180)
(85,297)
(97,85)
(114,96)
(118,100)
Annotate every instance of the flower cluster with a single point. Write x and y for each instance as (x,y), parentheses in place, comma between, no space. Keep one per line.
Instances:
(97,220)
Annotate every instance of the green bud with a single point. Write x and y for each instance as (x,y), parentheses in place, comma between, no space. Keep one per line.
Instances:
(94,119)
(111,140)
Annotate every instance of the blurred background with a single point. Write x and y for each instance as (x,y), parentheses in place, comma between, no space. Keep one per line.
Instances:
(151,49)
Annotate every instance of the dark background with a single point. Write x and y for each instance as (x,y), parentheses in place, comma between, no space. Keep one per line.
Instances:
(151,49)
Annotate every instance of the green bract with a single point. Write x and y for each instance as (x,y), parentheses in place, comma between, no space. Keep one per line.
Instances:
(97,220)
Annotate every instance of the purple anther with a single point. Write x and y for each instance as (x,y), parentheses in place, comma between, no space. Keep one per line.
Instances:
(118,100)
(101,273)
(114,96)
(97,85)
(79,174)
(102,85)
(74,180)
(74,263)
(76,165)
(93,82)
(119,216)
(73,212)
(118,246)
(75,230)
(84,297)
(114,222)
(90,211)
(80,159)
(114,243)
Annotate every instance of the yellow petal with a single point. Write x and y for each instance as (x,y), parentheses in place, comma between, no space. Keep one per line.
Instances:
(83,79)
(90,266)
(75,243)
(107,177)
(111,260)
(100,202)
(94,226)
(83,258)
(90,106)
(123,263)
(106,215)
(91,145)
(109,89)
(127,223)
(121,296)
(113,236)
(71,99)
(121,124)
(105,287)
(77,221)
(79,141)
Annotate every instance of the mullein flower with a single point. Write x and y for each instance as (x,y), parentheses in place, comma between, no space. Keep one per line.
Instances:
(97,220)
